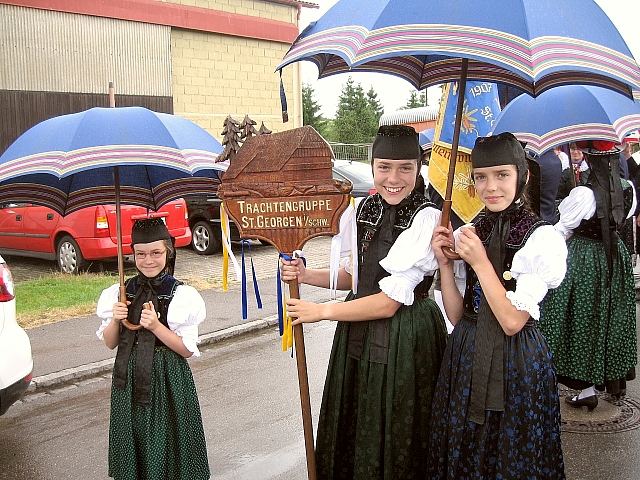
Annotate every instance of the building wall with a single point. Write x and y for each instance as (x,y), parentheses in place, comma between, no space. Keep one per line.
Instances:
(156,58)
(214,76)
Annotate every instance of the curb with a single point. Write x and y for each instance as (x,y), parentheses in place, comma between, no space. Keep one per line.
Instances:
(78,375)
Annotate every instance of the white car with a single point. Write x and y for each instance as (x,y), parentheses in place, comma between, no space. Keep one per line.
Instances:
(16,364)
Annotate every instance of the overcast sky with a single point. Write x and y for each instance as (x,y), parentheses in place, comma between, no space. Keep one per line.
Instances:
(394,92)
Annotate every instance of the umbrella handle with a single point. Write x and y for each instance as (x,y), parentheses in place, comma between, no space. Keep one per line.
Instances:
(450,253)
(133,326)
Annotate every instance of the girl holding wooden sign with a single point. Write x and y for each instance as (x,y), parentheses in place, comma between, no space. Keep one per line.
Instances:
(374,419)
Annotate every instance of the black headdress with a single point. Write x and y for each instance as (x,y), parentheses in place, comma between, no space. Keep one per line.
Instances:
(396,142)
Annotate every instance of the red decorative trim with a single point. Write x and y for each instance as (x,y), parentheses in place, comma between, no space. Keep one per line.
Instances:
(180,16)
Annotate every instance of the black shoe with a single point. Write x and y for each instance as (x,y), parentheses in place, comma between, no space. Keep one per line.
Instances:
(590,402)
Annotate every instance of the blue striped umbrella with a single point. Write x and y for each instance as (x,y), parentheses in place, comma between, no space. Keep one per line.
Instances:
(530,44)
(533,45)
(66,163)
(425,137)
(567,114)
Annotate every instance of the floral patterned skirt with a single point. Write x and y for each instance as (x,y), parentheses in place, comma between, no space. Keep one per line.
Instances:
(521,442)
(164,440)
(374,419)
(590,319)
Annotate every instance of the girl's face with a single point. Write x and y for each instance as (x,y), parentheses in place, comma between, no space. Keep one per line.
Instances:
(394,179)
(151,258)
(496,186)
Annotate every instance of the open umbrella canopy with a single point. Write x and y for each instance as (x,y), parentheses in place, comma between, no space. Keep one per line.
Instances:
(568,114)
(425,137)
(66,162)
(531,44)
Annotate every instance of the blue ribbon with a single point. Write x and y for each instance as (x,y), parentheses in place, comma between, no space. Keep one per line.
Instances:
(244,281)
(288,258)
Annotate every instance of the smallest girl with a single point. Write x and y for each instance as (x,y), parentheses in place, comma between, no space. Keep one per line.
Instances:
(155,429)
(496,412)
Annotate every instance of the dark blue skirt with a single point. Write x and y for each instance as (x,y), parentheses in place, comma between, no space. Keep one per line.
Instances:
(523,442)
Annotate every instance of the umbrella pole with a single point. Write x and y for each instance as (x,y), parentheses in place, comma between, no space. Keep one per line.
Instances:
(303,382)
(116,181)
(462,86)
(446,207)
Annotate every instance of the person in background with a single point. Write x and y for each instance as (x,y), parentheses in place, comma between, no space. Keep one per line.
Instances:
(590,320)
(550,174)
(155,428)
(576,174)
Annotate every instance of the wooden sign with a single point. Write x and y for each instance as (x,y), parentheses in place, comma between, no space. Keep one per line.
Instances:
(279,188)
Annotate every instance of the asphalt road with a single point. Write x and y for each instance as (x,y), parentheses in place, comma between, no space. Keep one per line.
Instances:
(248,391)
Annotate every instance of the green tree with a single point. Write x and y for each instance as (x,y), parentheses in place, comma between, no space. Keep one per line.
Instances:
(311,110)
(416,100)
(357,115)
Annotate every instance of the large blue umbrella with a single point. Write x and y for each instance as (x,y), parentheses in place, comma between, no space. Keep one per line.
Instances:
(531,44)
(110,155)
(568,114)
(66,163)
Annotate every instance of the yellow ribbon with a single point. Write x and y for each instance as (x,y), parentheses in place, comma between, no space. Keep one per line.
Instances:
(224,224)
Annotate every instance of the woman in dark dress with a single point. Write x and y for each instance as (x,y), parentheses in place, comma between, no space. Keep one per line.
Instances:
(590,320)
(495,412)
(374,419)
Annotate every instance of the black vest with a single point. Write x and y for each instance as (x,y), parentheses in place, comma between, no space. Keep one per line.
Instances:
(521,229)
(378,227)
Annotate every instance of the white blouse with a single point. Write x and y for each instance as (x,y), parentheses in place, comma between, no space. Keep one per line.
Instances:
(538,266)
(409,260)
(186,311)
(581,205)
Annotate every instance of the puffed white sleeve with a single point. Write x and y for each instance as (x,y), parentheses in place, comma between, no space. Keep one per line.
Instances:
(579,205)
(104,309)
(538,266)
(410,258)
(186,311)
(634,203)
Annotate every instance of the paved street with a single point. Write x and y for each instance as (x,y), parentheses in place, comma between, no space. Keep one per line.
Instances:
(249,396)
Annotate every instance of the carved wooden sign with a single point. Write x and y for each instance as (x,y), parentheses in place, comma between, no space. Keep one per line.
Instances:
(279,188)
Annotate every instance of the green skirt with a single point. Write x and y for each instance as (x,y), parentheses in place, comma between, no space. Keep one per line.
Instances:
(374,419)
(165,439)
(590,320)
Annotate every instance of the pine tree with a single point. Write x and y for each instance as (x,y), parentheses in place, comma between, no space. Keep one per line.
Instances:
(311,110)
(415,101)
(356,120)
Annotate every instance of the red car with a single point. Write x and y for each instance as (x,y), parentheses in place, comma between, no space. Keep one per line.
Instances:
(83,236)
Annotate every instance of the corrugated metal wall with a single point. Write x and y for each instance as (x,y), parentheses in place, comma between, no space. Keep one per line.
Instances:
(43,50)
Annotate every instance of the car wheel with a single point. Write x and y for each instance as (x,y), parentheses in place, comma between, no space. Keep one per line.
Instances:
(204,239)
(69,256)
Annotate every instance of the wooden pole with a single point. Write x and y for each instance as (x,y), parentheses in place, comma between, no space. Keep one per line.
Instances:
(303,382)
(446,207)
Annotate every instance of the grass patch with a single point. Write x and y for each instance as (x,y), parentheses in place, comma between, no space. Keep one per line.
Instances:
(58,297)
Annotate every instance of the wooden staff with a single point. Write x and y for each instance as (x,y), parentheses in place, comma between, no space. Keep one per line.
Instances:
(303,382)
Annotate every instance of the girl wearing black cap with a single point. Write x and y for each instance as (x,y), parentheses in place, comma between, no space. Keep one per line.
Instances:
(590,321)
(156,428)
(496,412)
(374,419)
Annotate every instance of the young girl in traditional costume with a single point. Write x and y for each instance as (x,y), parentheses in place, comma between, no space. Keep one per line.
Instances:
(590,320)
(155,430)
(496,412)
(374,419)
